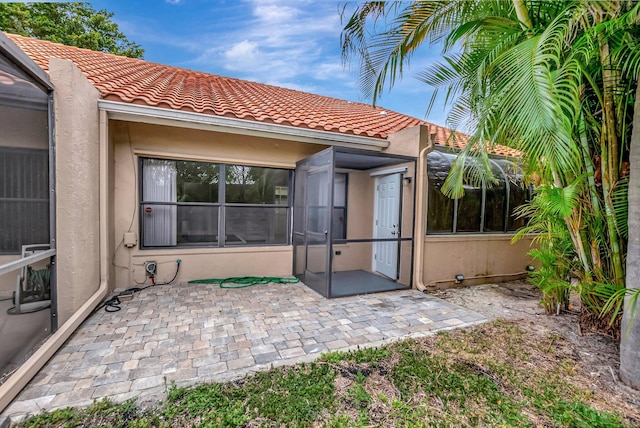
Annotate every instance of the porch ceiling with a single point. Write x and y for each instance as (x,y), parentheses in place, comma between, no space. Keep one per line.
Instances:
(364,161)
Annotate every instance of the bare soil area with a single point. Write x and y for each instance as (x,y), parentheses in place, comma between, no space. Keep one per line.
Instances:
(597,354)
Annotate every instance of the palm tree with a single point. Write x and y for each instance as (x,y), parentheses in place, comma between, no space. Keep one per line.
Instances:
(629,362)
(553,79)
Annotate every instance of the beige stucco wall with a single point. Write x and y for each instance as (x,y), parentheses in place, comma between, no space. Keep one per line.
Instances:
(360,196)
(407,142)
(77,186)
(131,140)
(473,255)
(443,256)
(353,256)
(198,263)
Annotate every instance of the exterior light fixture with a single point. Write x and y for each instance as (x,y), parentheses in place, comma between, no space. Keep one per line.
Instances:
(459,278)
(406,181)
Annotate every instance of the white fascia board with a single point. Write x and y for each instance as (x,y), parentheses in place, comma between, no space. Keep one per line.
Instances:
(162,116)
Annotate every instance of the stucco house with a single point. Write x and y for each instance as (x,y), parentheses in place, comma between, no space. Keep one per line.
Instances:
(115,163)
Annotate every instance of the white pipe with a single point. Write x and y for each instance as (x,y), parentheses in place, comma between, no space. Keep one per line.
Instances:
(21,377)
(26,261)
(421,205)
(495,275)
(104,200)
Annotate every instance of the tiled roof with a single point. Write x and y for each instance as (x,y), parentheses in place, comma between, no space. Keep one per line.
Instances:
(136,81)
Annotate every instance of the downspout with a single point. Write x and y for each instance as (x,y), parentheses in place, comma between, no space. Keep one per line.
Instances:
(421,206)
(12,387)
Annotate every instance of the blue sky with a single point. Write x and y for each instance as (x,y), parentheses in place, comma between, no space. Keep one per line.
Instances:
(288,43)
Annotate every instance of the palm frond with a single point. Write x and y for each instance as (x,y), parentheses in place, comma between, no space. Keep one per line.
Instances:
(534,95)
(620,198)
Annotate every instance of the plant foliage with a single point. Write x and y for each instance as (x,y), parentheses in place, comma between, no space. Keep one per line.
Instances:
(74,24)
(553,79)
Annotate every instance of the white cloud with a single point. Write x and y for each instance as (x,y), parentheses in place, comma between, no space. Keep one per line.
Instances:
(329,70)
(290,43)
(274,13)
(242,56)
(174,1)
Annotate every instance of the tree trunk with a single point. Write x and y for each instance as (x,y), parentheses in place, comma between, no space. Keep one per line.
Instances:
(523,14)
(609,153)
(630,340)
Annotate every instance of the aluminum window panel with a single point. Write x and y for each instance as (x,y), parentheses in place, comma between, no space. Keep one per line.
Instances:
(256,225)
(185,204)
(484,209)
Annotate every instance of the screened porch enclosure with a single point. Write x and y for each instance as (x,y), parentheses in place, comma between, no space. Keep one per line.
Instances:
(27,272)
(353,222)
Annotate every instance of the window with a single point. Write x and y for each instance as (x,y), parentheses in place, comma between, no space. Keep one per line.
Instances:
(339,220)
(440,211)
(24,198)
(186,203)
(488,209)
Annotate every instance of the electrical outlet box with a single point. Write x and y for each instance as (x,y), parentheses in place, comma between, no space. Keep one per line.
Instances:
(151,268)
(130,239)
(338,252)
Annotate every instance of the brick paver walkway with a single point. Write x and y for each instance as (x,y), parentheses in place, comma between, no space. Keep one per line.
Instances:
(189,333)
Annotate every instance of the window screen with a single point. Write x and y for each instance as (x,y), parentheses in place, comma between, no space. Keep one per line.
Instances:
(339,220)
(486,207)
(187,203)
(24,198)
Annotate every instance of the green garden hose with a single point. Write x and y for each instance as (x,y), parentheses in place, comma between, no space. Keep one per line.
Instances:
(245,281)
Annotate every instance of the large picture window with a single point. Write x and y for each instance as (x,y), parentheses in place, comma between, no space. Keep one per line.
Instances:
(186,203)
(482,209)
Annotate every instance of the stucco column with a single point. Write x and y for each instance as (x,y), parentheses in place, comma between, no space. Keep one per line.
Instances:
(77,186)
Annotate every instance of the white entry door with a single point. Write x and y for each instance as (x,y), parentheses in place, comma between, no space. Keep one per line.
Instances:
(386,224)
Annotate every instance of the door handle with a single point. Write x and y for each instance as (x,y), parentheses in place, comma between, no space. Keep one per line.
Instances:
(393,232)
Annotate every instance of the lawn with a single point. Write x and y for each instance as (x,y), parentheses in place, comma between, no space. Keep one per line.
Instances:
(492,375)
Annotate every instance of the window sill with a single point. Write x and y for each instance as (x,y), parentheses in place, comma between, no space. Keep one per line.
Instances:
(182,251)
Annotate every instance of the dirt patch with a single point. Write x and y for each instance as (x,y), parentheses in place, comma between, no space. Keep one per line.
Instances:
(597,355)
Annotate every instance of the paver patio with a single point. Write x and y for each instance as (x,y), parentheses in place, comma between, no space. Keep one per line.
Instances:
(193,333)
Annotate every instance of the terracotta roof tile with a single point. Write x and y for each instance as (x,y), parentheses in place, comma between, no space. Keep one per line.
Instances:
(136,81)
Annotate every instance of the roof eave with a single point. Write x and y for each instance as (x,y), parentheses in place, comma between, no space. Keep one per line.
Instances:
(22,60)
(184,119)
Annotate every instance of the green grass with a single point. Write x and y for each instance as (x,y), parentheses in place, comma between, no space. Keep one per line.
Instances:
(492,375)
